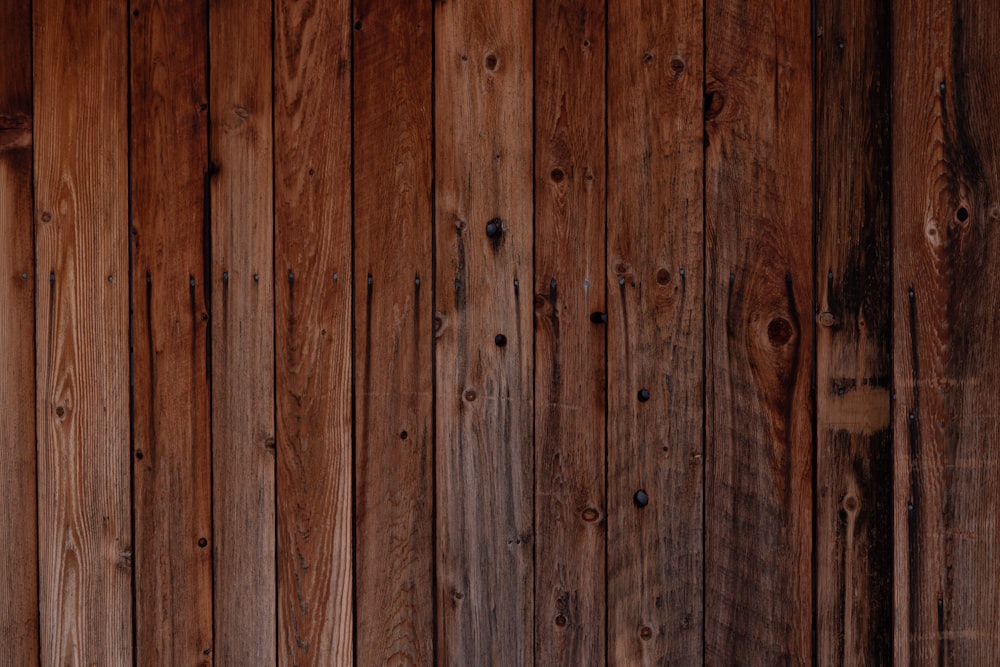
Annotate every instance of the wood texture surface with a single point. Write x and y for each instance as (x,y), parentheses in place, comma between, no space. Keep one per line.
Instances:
(313,332)
(945,286)
(82,331)
(655,333)
(171,399)
(394,316)
(570,367)
(759,337)
(853,501)
(242,302)
(18,501)
(483,236)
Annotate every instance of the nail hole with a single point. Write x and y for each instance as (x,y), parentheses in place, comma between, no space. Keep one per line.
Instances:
(586,43)
(403,435)
(557,175)
(500,340)
(138,454)
(491,61)
(470,395)
(357,25)
(646,632)
(779,331)
(962,215)
(203,543)
(561,621)
(647,57)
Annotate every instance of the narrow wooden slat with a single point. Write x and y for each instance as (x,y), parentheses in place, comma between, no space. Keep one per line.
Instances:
(18,501)
(853,345)
(570,366)
(759,332)
(946,163)
(81,319)
(393,207)
(242,298)
(483,140)
(655,336)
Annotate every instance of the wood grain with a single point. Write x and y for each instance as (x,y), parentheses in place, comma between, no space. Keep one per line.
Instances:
(82,326)
(853,339)
(655,333)
(945,287)
(171,399)
(242,301)
(759,337)
(394,315)
(18,499)
(570,366)
(483,140)
(313,332)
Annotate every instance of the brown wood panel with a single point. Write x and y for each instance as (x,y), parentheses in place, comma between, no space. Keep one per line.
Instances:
(171,400)
(946,161)
(18,516)
(242,303)
(393,234)
(570,366)
(853,501)
(759,333)
(655,332)
(82,325)
(484,457)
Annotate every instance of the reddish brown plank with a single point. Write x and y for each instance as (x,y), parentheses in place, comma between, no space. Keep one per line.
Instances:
(759,334)
(18,516)
(946,168)
(570,366)
(483,141)
(82,325)
(313,334)
(393,234)
(242,302)
(655,332)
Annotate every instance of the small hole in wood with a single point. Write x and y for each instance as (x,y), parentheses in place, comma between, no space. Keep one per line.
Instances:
(403,435)
(962,215)
(203,543)
(561,621)
(557,175)
(662,277)
(492,61)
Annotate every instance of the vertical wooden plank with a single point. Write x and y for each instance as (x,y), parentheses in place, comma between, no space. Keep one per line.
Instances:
(570,334)
(81,319)
(758,507)
(393,207)
(171,402)
(655,337)
(946,162)
(483,141)
(313,331)
(853,337)
(18,506)
(242,289)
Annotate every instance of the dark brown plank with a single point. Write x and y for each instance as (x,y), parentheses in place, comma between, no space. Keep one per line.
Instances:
(82,325)
(655,332)
(18,518)
(242,300)
(171,402)
(570,366)
(853,339)
(946,162)
(483,140)
(393,234)
(758,506)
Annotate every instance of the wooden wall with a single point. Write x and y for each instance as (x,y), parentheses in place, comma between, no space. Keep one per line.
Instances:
(555,332)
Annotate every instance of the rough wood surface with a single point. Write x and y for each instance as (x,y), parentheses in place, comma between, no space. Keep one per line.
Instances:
(483,131)
(18,502)
(570,367)
(82,327)
(394,315)
(313,332)
(242,301)
(759,340)
(655,333)
(853,501)
(946,162)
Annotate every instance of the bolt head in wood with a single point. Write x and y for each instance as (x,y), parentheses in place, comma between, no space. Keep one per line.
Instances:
(500,340)
(598,317)
(640,498)
(493,227)
(643,395)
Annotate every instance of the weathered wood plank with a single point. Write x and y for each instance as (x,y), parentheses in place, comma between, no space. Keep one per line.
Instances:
(946,161)
(18,499)
(655,332)
(853,339)
(82,325)
(758,508)
(570,366)
(483,142)
(393,233)
(242,298)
